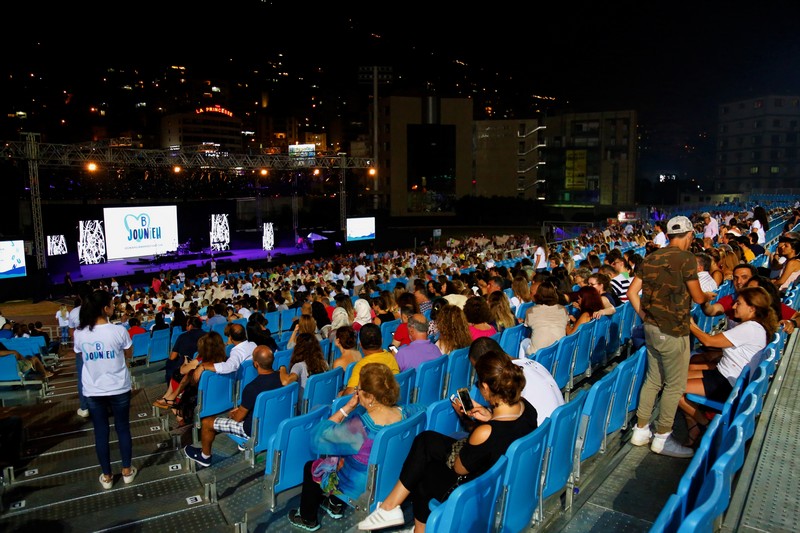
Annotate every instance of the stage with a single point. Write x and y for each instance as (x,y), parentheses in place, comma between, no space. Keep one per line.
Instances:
(192,263)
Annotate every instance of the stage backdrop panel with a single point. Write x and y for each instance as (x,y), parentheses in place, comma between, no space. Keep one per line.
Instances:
(140,231)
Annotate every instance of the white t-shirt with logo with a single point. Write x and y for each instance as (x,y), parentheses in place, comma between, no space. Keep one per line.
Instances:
(105,370)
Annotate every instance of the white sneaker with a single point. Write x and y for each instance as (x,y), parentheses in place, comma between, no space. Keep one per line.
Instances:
(129,477)
(641,436)
(106,483)
(83,413)
(380,518)
(665,444)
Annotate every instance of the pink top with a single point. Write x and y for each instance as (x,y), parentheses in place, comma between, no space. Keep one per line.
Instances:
(476,333)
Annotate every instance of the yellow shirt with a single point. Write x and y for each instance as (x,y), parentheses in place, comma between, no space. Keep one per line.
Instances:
(381,357)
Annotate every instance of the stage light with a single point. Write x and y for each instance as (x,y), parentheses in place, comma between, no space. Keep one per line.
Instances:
(91,167)
(316,172)
(177,169)
(263,172)
(372,171)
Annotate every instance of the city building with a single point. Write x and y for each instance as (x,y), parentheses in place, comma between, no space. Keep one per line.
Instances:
(757,144)
(209,129)
(507,157)
(425,154)
(590,159)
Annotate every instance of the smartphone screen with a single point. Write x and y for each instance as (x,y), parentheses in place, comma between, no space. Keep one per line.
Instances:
(466,401)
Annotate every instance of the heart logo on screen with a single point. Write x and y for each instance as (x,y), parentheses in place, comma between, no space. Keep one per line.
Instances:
(137,221)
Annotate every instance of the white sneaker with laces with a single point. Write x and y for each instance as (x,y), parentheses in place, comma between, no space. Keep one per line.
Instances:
(641,436)
(83,413)
(381,518)
(665,444)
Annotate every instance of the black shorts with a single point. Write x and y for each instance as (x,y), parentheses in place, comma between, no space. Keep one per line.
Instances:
(717,386)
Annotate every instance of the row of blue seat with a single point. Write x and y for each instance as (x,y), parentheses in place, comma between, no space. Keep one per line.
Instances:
(705,489)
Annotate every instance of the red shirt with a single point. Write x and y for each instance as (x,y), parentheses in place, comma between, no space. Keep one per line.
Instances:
(136,329)
(401,334)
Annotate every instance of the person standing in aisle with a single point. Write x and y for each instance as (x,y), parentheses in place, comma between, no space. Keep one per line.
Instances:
(668,284)
(106,349)
(84,290)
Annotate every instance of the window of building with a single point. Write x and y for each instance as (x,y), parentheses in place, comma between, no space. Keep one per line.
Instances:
(776,123)
(793,124)
(774,170)
(723,128)
(521,147)
(739,141)
(757,124)
(791,137)
(779,102)
(756,139)
(754,169)
(775,139)
(755,155)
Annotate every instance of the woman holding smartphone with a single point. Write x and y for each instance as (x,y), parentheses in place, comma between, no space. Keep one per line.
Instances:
(437,463)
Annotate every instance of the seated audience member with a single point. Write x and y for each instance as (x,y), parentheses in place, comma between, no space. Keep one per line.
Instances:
(421,349)
(345,340)
(453,329)
(400,336)
(370,338)
(707,283)
(436,463)
(307,359)
(258,333)
(757,324)
(182,396)
(547,319)
(478,316)
(25,364)
(789,250)
(541,390)
(602,284)
(589,304)
(305,324)
(742,273)
(500,310)
(344,441)
(135,327)
(182,351)
(782,311)
(240,419)
(242,351)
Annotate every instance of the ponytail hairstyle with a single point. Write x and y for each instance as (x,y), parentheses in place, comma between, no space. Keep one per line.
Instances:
(93,308)
(504,379)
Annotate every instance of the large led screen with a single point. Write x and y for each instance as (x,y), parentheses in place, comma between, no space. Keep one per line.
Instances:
(140,231)
(12,259)
(360,229)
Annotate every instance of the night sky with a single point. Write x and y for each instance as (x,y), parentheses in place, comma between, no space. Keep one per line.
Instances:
(675,60)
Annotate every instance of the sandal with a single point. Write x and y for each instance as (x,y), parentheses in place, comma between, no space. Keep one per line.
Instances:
(695,436)
(163,403)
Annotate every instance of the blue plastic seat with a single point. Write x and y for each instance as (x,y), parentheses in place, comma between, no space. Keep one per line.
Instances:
(406,380)
(557,465)
(593,422)
(321,389)
(582,360)
(457,371)
(715,498)
(389,451)
(274,322)
(244,375)
(289,451)
(738,387)
(159,347)
(471,506)
(565,357)
(387,332)
(10,376)
(442,418)
(220,328)
(522,309)
(614,341)
(141,345)
(175,332)
(214,396)
(599,343)
(282,358)
(519,493)
(624,377)
(639,375)
(510,339)
(429,381)
(670,517)
(546,356)
(271,408)
(285,318)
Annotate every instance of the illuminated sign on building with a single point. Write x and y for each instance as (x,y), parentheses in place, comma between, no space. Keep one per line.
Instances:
(214,109)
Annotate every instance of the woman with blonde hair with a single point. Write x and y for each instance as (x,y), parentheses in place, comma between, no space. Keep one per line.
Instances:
(305,324)
(502,317)
(453,329)
(522,291)
(62,315)
(727,263)
(716,271)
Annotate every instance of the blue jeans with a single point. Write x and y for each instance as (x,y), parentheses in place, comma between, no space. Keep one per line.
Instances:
(65,334)
(120,405)
(78,371)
